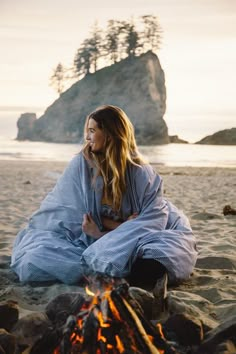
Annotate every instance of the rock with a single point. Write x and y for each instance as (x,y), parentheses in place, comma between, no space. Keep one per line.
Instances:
(146,300)
(221,334)
(227,210)
(30,328)
(178,305)
(222,137)
(154,305)
(27,182)
(8,314)
(8,343)
(187,329)
(136,85)
(226,347)
(63,305)
(25,125)
(176,140)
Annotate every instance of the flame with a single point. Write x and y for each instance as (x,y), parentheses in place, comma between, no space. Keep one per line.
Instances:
(114,309)
(88,291)
(100,336)
(75,338)
(101,320)
(150,338)
(160,330)
(105,318)
(119,344)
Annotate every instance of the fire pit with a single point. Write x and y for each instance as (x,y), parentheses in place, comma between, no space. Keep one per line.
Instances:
(112,318)
(111,322)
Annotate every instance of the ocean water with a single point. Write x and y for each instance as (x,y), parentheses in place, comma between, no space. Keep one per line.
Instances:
(191,128)
(169,155)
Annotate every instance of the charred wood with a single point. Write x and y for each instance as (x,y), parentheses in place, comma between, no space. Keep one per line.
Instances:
(47,343)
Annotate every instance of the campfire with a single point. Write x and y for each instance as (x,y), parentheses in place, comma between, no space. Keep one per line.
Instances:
(112,318)
(111,321)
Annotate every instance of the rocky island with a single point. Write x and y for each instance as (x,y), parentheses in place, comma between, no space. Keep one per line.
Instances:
(136,84)
(222,137)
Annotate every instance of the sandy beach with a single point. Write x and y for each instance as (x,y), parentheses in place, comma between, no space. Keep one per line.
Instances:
(201,193)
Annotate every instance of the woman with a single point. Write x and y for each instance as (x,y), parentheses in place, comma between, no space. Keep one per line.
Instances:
(106,214)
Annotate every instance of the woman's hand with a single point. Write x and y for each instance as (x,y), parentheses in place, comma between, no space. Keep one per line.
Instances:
(133,216)
(110,224)
(90,227)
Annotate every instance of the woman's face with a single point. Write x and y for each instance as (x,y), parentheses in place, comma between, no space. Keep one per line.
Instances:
(95,136)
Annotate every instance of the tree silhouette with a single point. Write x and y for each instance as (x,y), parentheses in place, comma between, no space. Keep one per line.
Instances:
(120,39)
(151,35)
(131,38)
(83,58)
(87,56)
(58,78)
(112,40)
(96,45)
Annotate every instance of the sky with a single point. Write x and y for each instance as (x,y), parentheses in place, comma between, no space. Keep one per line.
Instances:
(198,55)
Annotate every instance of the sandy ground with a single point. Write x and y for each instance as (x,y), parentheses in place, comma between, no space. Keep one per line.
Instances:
(200,192)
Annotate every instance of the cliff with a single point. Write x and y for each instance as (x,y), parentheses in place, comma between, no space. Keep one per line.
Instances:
(137,85)
(222,137)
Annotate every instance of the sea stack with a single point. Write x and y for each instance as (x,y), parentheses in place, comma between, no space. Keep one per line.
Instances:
(135,84)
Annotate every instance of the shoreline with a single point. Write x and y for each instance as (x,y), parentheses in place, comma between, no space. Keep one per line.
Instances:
(169,155)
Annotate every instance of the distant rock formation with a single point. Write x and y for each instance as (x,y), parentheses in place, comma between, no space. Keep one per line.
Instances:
(222,137)
(25,125)
(137,85)
(176,140)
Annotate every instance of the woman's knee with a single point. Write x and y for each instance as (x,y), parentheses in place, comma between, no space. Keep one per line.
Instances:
(27,270)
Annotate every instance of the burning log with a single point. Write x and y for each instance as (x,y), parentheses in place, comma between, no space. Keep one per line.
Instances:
(144,331)
(62,306)
(110,324)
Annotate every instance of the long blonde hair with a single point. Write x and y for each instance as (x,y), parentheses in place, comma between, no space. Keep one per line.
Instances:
(120,148)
